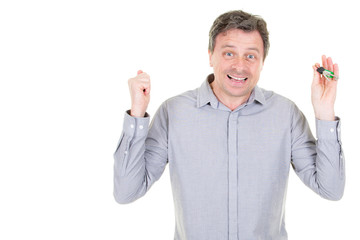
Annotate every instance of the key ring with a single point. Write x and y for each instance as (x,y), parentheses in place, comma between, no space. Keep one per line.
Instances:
(327,74)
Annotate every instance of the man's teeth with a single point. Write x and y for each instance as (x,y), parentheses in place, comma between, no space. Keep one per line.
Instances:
(237,79)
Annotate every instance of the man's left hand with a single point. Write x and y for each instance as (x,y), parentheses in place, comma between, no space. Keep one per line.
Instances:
(323,91)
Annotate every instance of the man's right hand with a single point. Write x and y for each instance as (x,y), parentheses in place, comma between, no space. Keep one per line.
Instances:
(139,87)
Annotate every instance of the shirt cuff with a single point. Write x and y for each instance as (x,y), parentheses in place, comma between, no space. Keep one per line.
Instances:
(136,126)
(328,129)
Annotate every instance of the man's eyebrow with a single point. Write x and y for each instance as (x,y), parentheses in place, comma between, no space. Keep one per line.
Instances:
(254,49)
(232,46)
(228,46)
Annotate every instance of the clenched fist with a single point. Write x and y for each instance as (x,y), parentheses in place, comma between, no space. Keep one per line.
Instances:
(139,87)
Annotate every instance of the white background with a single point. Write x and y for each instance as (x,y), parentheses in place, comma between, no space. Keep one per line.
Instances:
(64,67)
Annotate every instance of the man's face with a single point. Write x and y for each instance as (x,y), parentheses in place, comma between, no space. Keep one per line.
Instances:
(237,61)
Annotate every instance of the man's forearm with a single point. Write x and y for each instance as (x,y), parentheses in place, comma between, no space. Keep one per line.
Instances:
(330,167)
(129,165)
(320,165)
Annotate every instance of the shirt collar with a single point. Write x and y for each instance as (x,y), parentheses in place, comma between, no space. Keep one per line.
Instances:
(206,94)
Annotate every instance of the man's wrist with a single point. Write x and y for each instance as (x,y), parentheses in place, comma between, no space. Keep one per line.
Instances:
(145,115)
(327,115)
(137,113)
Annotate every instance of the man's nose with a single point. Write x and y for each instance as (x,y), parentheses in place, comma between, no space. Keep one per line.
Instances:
(239,64)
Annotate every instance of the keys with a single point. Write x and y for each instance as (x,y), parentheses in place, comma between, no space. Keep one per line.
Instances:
(327,74)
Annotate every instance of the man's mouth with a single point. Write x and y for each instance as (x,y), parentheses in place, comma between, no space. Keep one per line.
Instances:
(236,79)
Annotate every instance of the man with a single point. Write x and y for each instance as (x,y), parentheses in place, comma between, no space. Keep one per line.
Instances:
(229,143)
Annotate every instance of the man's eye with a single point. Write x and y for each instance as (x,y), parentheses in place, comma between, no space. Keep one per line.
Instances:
(229,54)
(250,56)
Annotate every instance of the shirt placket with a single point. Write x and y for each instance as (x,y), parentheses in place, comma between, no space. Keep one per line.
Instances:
(233,202)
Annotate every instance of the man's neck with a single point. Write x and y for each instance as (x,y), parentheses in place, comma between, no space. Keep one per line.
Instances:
(231,102)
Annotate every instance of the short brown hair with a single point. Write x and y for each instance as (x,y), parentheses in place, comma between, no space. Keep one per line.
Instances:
(239,20)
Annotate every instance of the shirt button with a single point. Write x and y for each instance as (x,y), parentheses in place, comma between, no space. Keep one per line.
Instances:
(332,130)
(141,126)
(125,152)
(132,126)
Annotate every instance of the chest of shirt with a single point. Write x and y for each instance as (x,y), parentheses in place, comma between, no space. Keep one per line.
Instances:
(209,137)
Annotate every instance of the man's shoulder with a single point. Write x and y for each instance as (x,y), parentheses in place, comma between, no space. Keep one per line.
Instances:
(188,98)
(275,98)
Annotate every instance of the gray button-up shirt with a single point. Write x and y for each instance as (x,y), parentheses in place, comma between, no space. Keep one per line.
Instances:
(229,169)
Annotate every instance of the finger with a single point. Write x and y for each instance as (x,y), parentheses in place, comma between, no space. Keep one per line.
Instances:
(143,77)
(317,75)
(147,90)
(330,64)
(139,80)
(145,83)
(324,61)
(139,72)
(315,67)
(145,87)
(336,70)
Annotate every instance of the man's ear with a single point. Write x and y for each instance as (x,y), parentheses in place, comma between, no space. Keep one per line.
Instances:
(210,58)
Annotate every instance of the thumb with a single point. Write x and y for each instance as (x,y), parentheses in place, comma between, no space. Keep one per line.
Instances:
(317,75)
(139,72)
